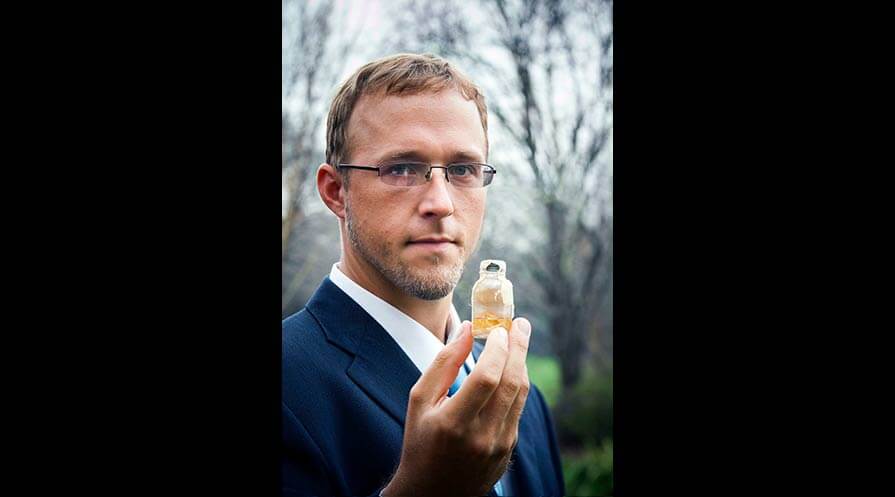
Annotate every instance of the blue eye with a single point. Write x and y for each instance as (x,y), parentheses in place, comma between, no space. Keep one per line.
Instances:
(462,170)
(399,170)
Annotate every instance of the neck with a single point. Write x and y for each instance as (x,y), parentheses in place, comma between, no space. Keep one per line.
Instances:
(432,314)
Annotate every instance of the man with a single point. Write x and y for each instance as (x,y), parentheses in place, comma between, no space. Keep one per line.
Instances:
(373,364)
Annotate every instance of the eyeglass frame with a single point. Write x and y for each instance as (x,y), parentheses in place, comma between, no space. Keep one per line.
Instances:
(428,176)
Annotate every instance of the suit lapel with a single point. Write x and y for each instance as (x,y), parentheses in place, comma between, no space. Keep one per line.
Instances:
(380,368)
(384,371)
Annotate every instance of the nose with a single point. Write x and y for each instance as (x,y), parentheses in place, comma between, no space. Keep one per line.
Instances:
(437,201)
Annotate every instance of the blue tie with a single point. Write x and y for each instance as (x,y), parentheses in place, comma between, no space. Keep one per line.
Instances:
(461,375)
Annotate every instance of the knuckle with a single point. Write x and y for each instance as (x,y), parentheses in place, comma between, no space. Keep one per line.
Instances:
(489,379)
(510,445)
(513,383)
(417,395)
(440,359)
(481,447)
(451,431)
(507,446)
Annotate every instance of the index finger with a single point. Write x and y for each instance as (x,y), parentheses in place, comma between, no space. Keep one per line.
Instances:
(514,378)
(485,377)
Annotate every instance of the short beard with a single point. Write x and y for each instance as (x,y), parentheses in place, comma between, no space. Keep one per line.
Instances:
(427,286)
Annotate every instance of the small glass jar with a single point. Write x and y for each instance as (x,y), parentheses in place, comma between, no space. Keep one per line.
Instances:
(492,299)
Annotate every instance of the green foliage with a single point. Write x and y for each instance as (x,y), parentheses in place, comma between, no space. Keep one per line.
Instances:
(586,416)
(544,372)
(589,472)
(586,413)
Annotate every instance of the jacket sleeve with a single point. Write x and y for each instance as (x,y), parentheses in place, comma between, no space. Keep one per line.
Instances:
(554,446)
(305,471)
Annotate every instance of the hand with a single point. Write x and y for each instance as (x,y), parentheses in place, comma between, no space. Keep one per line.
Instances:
(461,445)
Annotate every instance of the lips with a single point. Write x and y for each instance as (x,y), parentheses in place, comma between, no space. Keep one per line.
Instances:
(436,243)
(433,239)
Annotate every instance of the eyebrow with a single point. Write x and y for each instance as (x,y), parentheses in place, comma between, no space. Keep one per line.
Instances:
(412,155)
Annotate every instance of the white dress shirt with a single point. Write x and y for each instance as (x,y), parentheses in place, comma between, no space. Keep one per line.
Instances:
(420,345)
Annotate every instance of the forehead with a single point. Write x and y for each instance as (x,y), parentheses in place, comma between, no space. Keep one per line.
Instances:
(430,124)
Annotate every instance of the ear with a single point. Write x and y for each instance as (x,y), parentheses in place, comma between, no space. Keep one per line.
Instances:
(329,186)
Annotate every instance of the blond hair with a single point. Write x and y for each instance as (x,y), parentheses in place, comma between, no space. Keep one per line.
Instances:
(400,74)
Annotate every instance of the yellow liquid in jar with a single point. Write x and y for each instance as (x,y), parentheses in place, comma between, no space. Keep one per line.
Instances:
(484,324)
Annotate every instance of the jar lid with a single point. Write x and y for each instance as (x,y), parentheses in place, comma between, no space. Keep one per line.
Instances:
(493,266)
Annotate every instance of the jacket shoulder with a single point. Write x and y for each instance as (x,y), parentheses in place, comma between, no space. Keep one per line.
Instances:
(299,327)
(304,341)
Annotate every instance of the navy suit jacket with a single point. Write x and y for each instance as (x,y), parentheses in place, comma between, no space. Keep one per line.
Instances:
(345,392)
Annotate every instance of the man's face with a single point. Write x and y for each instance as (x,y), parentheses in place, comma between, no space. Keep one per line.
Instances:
(387,224)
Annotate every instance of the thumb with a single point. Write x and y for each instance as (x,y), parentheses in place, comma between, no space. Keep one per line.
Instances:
(438,377)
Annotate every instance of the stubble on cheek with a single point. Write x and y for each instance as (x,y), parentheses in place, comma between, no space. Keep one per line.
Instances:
(431,283)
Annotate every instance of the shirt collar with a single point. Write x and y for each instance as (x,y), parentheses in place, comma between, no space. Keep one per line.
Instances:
(420,345)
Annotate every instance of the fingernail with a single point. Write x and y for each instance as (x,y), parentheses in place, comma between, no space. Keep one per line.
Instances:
(524,327)
(503,334)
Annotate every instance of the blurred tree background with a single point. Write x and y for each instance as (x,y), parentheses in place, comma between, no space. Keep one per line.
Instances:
(546,69)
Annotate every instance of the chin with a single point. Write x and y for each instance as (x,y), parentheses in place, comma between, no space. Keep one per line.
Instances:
(428,281)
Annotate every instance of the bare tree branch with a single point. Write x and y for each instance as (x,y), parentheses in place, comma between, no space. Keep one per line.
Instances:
(551,93)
